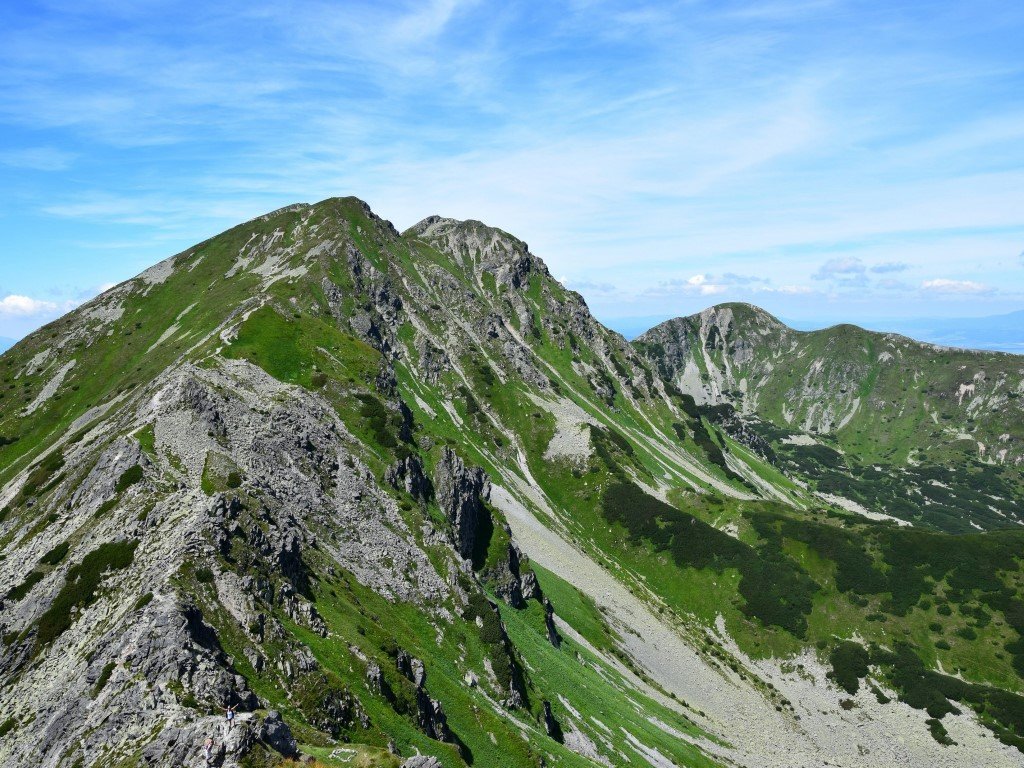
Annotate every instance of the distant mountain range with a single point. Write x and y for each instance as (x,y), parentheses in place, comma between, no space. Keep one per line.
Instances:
(998,333)
(1003,333)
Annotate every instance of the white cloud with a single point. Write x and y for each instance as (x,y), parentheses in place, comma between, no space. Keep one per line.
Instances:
(700,284)
(24,306)
(942,285)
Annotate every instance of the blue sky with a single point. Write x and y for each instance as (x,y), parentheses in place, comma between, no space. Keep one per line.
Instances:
(825,159)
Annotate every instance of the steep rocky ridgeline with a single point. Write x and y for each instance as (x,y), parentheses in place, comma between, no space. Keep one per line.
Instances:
(399,499)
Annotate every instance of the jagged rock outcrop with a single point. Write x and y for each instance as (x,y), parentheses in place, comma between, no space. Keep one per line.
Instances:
(422,761)
(276,733)
(551,725)
(407,474)
(511,583)
(431,717)
(529,587)
(461,492)
(549,623)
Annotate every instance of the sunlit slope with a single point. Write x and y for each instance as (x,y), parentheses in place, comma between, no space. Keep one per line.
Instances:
(293,451)
(920,432)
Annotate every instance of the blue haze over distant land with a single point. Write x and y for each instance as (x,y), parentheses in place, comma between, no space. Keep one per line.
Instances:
(1000,333)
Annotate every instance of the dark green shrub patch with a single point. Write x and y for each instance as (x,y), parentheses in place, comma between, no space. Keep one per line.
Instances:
(776,590)
(55,555)
(105,507)
(938,732)
(849,662)
(128,478)
(855,570)
(922,688)
(19,591)
(101,681)
(379,420)
(42,475)
(80,586)
(688,404)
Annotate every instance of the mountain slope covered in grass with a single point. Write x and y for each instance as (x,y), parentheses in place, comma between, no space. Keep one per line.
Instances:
(397,493)
(922,433)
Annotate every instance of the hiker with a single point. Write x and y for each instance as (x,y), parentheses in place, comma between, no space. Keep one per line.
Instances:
(229,713)
(208,751)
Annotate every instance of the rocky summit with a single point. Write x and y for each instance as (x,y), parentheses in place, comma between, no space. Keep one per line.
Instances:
(321,492)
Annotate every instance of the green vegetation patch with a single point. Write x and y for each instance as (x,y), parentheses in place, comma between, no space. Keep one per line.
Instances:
(147,439)
(849,662)
(295,349)
(776,589)
(80,586)
(19,591)
(56,555)
(41,478)
(128,478)
(101,681)
(220,474)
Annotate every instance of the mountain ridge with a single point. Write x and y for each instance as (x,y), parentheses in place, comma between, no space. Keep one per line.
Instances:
(363,484)
(758,310)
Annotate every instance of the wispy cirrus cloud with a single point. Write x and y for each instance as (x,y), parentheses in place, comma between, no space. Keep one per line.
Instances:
(890,266)
(37,158)
(790,152)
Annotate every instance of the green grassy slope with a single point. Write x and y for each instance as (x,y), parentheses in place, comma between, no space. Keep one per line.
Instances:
(453,335)
(923,433)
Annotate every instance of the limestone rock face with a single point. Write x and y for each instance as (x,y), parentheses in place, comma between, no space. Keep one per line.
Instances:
(275,732)
(154,647)
(549,622)
(509,580)
(407,474)
(551,725)
(460,492)
(431,717)
(422,761)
